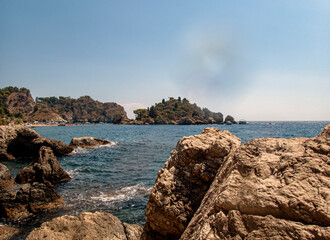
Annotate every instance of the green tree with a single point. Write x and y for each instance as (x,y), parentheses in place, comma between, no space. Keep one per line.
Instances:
(153,112)
(141,114)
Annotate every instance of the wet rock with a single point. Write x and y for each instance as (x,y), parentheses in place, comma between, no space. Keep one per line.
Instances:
(89,142)
(22,142)
(184,180)
(269,189)
(87,226)
(45,168)
(30,199)
(6,180)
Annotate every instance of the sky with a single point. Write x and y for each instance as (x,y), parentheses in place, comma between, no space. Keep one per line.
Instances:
(258,60)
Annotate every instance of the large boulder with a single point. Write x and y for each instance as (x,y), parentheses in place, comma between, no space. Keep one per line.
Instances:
(89,142)
(6,180)
(45,168)
(269,189)
(229,120)
(184,180)
(30,199)
(87,226)
(7,232)
(23,142)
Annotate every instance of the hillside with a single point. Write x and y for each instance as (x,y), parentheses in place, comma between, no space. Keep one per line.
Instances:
(17,105)
(177,111)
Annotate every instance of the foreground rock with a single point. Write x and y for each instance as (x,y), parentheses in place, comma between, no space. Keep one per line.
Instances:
(6,180)
(45,168)
(89,142)
(22,142)
(269,189)
(7,232)
(184,180)
(30,199)
(87,226)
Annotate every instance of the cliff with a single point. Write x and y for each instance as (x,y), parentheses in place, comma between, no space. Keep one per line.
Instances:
(18,105)
(176,111)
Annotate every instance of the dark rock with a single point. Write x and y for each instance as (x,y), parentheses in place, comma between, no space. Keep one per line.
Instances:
(30,199)
(6,180)
(7,232)
(22,142)
(184,180)
(230,120)
(89,142)
(45,168)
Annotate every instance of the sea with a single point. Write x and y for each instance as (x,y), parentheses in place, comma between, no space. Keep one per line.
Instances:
(118,178)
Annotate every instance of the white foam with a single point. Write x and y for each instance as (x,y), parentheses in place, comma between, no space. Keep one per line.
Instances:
(111,144)
(124,194)
(79,150)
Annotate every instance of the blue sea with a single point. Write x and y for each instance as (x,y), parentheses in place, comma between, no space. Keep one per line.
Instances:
(118,178)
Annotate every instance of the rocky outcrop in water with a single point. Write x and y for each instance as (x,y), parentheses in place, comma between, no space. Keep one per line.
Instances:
(89,142)
(230,120)
(87,226)
(23,142)
(184,180)
(263,189)
(20,204)
(6,180)
(45,168)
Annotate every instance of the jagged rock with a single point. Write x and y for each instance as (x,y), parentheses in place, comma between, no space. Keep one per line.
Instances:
(30,199)
(269,189)
(230,120)
(89,142)
(45,168)
(6,180)
(22,142)
(182,183)
(87,226)
(133,231)
(7,232)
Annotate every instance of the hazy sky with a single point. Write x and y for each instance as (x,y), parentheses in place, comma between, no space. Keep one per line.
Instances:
(255,60)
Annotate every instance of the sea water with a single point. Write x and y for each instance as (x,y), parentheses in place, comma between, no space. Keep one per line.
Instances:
(118,178)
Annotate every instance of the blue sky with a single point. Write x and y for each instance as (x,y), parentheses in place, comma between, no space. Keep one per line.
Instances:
(255,60)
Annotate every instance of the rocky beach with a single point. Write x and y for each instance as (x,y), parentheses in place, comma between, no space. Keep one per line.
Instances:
(211,187)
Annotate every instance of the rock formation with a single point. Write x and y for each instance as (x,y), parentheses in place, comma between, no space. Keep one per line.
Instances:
(45,168)
(230,120)
(22,142)
(87,226)
(269,188)
(30,199)
(182,183)
(7,232)
(89,142)
(264,189)
(6,180)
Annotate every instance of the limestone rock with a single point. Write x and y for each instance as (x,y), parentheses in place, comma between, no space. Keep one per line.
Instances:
(87,226)
(30,199)
(184,180)
(89,142)
(269,189)
(133,231)
(23,142)
(45,168)
(7,232)
(6,180)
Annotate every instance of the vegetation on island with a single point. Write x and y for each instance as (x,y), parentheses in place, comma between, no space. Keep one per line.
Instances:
(177,111)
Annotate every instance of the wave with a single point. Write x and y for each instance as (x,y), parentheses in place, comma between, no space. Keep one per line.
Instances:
(111,144)
(80,150)
(124,194)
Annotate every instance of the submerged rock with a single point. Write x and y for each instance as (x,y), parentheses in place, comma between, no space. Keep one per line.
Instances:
(184,180)
(6,180)
(30,199)
(87,226)
(45,168)
(89,142)
(269,188)
(22,142)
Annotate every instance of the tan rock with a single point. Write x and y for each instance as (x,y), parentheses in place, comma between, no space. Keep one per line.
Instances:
(184,180)
(89,142)
(7,232)
(269,189)
(132,231)
(87,226)
(45,168)
(6,180)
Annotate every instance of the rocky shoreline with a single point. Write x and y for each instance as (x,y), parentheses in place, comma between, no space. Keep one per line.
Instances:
(211,187)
